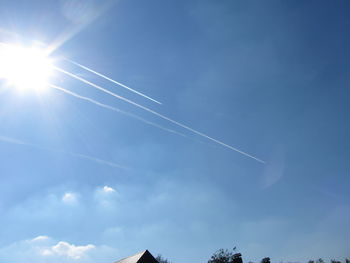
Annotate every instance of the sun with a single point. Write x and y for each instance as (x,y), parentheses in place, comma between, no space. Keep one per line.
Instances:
(25,68)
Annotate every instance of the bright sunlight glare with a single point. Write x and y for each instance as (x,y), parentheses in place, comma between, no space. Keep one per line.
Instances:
(26,68)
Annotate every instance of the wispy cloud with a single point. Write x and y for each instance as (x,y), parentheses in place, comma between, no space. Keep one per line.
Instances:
(13,140)
(274,170)
(40,239)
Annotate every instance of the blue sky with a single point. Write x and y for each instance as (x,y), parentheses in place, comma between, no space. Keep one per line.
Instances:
(80,183)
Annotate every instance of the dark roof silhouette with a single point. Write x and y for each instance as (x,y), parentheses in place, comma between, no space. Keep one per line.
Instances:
(142,257)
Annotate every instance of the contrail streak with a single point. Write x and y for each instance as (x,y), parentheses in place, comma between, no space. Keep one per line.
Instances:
(115,109)
(77,155)
(97,160)
(159,115)
(112,80)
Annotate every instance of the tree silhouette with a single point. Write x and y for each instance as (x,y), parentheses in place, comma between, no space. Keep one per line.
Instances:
(160,259)
(265,260)
(225,256)
(221,256)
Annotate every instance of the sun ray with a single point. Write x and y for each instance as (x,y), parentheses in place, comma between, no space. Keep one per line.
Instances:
(73,30)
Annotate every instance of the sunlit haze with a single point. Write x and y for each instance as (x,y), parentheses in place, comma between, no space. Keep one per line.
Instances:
(177,126)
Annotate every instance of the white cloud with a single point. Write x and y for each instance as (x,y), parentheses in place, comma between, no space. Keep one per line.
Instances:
(70,198)
(43,249)
(108,189)
(67,250)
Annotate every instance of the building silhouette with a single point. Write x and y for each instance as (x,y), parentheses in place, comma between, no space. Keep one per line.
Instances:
(142,257)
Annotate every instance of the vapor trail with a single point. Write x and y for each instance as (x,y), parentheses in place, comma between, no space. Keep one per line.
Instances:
(159,115)
(115,109)
(112,80)
(97,160)
(77,155)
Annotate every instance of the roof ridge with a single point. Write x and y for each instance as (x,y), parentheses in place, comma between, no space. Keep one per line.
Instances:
(134,255)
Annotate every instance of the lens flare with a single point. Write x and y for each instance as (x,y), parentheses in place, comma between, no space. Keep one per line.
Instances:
(26,68)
